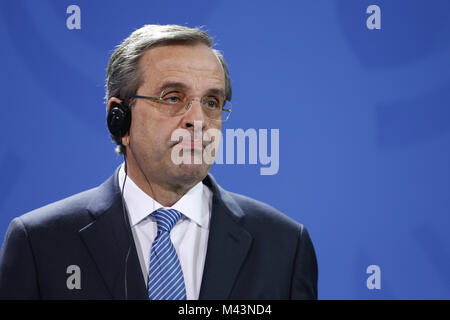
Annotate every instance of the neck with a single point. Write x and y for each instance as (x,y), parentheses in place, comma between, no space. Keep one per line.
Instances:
(164,193)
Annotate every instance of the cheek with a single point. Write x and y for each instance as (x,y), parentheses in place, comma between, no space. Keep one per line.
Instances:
(152,136)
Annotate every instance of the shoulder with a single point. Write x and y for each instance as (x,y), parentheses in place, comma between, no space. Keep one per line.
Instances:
(76,210)
(256,216)
(261,216)
(67,211)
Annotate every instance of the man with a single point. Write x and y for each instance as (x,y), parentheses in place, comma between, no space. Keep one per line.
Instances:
(160,228)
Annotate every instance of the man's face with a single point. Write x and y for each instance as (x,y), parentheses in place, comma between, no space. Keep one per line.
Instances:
(196,71)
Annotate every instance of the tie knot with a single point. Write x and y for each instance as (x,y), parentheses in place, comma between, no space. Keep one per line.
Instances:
(166,218)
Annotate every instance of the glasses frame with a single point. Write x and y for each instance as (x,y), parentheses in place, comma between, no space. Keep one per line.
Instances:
(188,106)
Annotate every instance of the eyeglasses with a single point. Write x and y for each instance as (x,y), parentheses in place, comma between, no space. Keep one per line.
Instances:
(174,103)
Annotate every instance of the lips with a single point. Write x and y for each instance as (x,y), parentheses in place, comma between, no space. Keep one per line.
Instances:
(193,144)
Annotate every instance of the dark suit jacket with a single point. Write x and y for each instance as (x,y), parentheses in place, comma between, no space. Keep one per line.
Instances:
(254,251)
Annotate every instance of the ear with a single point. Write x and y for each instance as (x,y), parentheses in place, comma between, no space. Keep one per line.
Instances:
(112,101)
(126,140)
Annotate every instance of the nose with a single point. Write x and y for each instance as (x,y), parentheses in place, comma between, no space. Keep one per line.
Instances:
(194,113)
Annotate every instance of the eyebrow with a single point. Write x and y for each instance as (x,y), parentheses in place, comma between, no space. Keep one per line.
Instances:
(172,85)
(183,86)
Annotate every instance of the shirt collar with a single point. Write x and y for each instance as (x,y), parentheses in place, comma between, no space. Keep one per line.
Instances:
(194,205)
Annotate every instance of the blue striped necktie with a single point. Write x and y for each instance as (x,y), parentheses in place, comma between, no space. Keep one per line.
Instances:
(165,277)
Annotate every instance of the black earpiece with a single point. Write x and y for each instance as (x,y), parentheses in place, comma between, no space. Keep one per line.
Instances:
(119,121)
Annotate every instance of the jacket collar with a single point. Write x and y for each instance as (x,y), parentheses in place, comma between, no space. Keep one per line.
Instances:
(228,244)
(109,241)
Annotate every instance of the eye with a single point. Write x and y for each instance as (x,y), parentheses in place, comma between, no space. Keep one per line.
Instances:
(212,103)
(172,97)
(172,100)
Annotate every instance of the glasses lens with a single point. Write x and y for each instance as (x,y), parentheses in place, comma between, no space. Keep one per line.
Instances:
(215,108)
(173,102)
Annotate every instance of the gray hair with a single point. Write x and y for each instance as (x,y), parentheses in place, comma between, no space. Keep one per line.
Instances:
(123,77)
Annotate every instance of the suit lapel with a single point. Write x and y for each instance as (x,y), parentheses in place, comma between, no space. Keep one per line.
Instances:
(228,245)
(109,241)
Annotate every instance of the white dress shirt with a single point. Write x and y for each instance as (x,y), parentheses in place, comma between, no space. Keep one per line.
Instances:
(189,236)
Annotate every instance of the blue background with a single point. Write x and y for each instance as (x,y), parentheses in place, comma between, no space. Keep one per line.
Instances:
(364,120)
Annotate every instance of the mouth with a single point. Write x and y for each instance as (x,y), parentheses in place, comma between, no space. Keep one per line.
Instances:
(191,144)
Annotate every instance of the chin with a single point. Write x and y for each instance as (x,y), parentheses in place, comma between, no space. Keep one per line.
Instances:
(192,173)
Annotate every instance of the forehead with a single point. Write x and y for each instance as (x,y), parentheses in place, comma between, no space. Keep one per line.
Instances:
(194,65)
